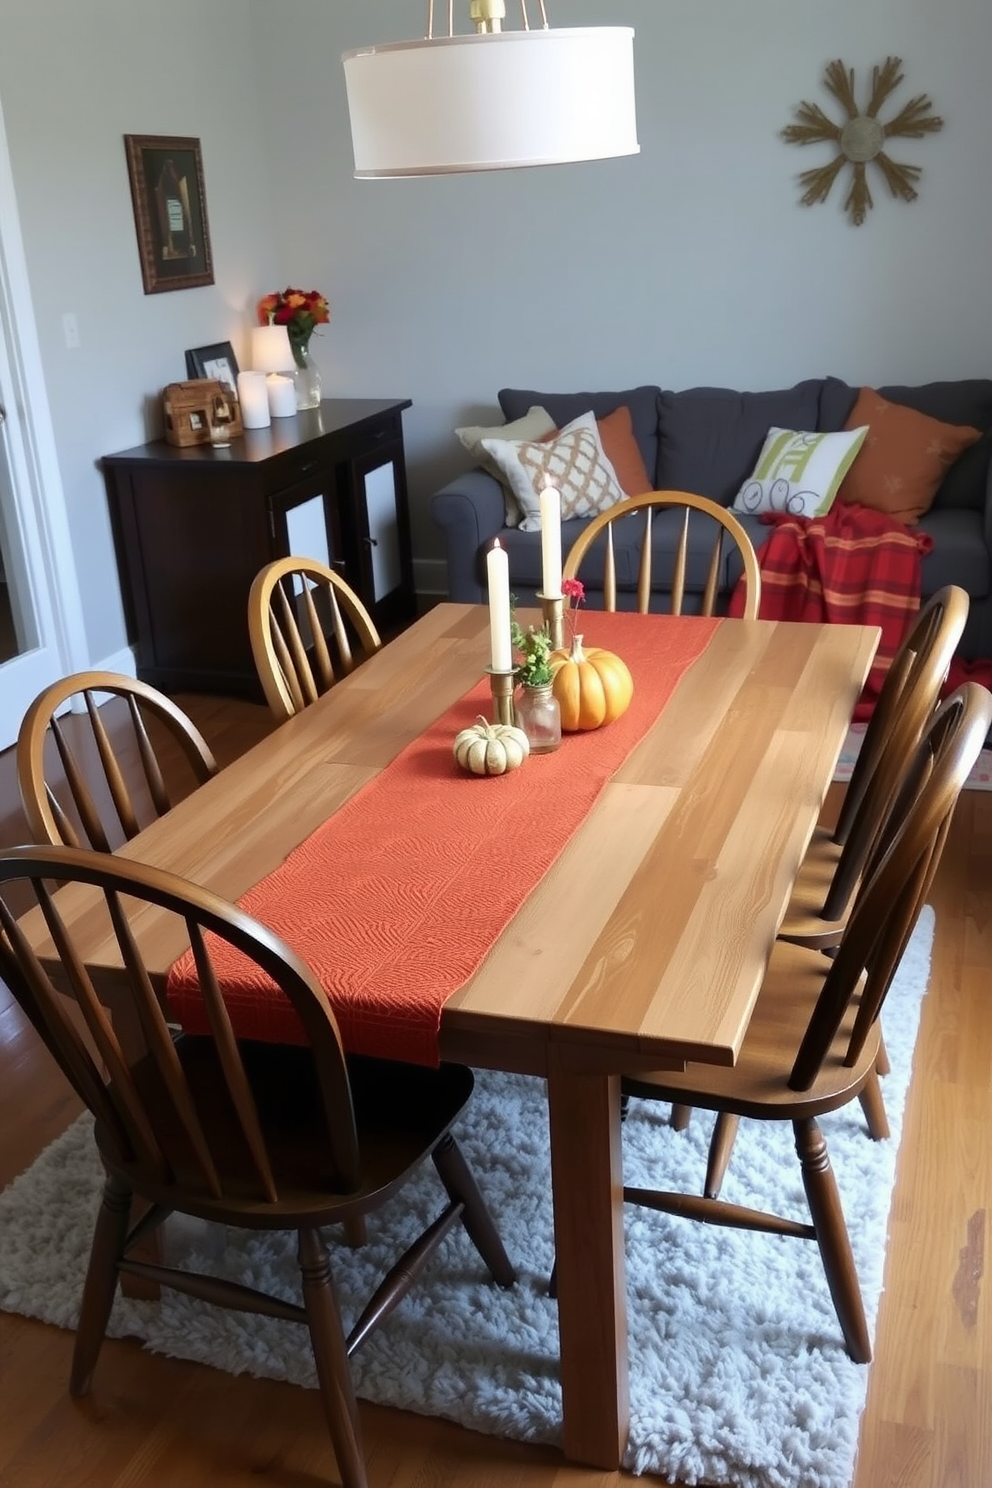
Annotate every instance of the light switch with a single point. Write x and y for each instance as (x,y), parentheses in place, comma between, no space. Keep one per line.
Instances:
(70,329)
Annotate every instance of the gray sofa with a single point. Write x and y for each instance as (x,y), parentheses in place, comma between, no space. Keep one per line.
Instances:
(707,440)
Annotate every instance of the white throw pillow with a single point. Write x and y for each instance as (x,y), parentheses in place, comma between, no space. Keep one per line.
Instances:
(534,425)
(799,474)
(574,462)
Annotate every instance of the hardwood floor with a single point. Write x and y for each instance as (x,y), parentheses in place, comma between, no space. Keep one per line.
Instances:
(928,1424)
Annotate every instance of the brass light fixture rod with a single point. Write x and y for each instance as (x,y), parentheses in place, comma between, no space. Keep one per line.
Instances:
(488,16)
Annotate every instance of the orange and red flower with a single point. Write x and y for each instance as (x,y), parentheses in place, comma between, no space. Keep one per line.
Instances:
(299,310)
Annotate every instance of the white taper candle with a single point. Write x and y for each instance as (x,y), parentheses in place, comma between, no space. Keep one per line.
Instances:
(498,577)
(551,542)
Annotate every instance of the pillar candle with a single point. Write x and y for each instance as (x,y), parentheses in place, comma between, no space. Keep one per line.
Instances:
(498,576)
(254,400)
(281,393)
(551,542)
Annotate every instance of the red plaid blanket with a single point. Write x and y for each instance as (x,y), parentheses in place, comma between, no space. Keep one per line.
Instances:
(855,566)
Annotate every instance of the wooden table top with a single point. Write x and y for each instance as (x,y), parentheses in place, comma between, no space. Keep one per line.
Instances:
(646,942)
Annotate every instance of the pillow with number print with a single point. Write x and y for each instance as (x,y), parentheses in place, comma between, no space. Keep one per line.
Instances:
(799,474)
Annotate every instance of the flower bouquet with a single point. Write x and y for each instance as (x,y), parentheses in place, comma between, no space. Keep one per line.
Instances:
(300,311)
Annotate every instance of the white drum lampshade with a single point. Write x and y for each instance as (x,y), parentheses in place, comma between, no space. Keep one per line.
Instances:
(272,353)
(270,349)
(492,101)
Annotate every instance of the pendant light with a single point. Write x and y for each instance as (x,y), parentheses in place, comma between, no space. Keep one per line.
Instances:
(491,99)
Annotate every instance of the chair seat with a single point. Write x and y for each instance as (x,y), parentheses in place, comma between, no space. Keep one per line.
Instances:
(756,1084)
(401,1112)
(803,920)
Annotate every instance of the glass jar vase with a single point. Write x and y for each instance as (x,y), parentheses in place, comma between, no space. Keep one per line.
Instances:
(306,377)
(537,713)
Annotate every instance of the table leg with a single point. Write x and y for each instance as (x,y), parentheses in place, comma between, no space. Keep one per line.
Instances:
(587,1179)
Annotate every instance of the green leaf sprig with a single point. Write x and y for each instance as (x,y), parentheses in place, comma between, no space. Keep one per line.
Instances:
(535,648)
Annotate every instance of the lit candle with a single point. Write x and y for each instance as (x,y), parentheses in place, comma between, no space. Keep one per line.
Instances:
(551,542)
(254,400)
(281,394)
(498,576)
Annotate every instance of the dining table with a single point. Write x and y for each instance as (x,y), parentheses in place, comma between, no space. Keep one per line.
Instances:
(640,944)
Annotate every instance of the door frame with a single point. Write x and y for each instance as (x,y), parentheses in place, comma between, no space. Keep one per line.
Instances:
(42,535)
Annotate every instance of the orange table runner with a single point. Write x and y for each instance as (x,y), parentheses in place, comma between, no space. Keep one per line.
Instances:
(395,901)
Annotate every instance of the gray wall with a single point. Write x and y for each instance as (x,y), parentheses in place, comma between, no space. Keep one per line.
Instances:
(692,262)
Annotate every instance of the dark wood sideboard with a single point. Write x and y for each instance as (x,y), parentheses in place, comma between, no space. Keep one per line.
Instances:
(192,527)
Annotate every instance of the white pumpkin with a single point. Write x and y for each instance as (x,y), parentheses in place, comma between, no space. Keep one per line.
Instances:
(491,748)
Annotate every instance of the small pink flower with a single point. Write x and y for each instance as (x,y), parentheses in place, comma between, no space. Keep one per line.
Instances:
(575,592)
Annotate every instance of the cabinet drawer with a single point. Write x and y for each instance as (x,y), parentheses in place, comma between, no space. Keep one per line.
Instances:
(298,467)
(381,435)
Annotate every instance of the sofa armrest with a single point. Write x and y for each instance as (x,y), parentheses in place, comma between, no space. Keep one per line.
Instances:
(470,512)
(987,528)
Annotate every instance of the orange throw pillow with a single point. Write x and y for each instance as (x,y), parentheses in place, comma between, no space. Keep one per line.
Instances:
(616,435)
(904,458)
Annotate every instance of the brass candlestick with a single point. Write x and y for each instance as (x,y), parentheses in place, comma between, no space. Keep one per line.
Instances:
(553,607)
(501,686)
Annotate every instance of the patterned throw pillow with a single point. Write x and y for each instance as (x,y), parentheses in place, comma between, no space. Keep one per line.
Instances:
(574,462)
(536,423)
(616,435)
(905,458)
(799,473)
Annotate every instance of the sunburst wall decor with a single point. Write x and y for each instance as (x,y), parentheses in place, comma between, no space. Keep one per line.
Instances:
(861,138)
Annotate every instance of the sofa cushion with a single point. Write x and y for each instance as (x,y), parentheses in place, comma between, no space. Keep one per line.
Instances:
(904,459)
(536,423)
(709,438)
(573,461)
(564,407)
(799,472)
(967,401)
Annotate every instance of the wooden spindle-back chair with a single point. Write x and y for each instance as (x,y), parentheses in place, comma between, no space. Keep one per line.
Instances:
(263,1137)
(727,534)
(812,1041)
(834,861)
(86,783)
(307,629)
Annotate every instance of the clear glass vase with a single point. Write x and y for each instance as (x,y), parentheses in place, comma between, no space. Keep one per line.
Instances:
(306,377)
(537,713)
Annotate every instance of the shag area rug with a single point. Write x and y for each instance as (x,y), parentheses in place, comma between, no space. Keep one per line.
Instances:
(738,1373)
(980,777)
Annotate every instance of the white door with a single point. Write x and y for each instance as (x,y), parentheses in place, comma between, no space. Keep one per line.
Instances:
(41,631)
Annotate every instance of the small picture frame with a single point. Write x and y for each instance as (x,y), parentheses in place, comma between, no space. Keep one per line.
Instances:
(170,211)
(216,361)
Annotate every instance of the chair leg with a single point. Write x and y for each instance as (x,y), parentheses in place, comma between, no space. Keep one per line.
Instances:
(680,1116)
(356,1232)
(873,1106)
(882,1065)
(721,1146)
(107,1249)
(333,1373)
(461,1186)
(832,1238)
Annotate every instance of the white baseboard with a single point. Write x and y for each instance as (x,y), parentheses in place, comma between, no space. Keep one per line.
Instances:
(121,661)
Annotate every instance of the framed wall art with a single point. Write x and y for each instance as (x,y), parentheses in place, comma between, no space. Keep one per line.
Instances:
(170,211)
(216,361)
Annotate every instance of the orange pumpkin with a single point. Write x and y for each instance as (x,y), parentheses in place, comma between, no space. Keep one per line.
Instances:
(592,686)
